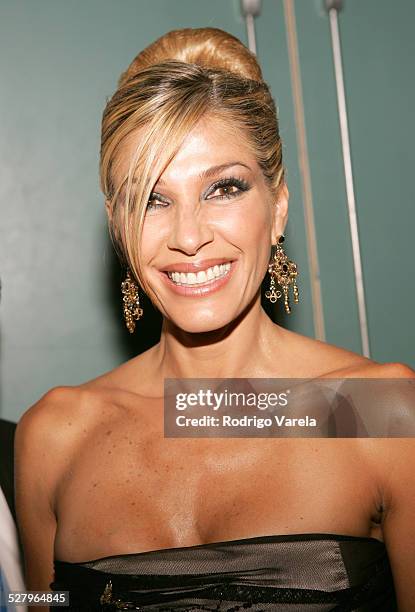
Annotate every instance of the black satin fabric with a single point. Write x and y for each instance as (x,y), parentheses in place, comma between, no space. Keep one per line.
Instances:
(296,572)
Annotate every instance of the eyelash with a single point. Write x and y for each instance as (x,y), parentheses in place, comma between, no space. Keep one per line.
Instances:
(231,181)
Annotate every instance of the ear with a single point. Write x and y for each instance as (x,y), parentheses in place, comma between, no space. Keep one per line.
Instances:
(280,212)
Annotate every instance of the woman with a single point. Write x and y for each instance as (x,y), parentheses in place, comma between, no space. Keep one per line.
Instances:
(192,172)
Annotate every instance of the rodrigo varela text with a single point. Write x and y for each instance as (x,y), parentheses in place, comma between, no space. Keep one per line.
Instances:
(245,421)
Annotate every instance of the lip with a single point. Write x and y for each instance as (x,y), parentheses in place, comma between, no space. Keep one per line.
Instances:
(196,266)
(202,289)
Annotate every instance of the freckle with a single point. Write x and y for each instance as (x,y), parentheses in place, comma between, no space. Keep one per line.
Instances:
(130,442)
(69,423)
(109,452)
(128,480)
(133,503)
(107,433)
(95,484)
(84,430)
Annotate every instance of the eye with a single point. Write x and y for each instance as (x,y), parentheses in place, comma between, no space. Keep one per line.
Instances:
(155,202)
(227,188)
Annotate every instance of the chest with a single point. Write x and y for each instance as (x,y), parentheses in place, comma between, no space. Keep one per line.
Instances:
(124,491)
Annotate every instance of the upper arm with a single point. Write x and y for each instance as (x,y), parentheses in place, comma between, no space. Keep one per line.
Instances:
(36,475)
(398,523)
(398,457)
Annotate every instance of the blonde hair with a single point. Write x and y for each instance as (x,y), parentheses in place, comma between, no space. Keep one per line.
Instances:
(168,88)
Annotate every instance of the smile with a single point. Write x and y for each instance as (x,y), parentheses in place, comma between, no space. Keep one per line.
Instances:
(199,283)
(201,277)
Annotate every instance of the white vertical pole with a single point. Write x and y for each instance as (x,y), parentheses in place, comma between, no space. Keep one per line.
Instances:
(333,6)
(251,9)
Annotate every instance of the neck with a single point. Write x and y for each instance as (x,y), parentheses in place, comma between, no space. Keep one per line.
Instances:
(249,346)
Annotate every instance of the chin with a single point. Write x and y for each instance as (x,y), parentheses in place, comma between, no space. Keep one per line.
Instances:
(199,323)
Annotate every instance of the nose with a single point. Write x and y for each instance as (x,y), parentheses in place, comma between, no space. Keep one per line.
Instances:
(190,230)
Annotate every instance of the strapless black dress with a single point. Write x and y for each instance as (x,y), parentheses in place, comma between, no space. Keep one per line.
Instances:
(310,572)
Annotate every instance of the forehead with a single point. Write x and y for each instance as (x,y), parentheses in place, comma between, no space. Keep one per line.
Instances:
(212,142)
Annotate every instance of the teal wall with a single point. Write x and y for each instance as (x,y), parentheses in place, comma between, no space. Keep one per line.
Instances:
(60,314)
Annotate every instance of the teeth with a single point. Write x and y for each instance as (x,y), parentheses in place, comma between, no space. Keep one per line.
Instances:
(201,276)
(192,278)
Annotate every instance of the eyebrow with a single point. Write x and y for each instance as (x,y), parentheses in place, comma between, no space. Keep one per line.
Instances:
(209,172)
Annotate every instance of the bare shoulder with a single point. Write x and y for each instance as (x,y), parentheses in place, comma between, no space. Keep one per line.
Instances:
(64,413)
(38,430)
(396,370)
(318,358)
(372,369)
(314,357)
(45,417)
(39,419)
(56,424)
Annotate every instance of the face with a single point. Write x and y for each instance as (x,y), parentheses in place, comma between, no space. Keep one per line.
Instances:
(208,230)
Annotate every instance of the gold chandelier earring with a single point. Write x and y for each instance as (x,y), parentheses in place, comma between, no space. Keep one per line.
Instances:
(284,272)
(131,302)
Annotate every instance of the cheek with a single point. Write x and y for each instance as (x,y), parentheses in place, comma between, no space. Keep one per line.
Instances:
(258,220)
(153,239)
(256,232)
(250,224)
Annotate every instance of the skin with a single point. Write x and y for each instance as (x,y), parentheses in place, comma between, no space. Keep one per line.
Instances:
(96,477)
